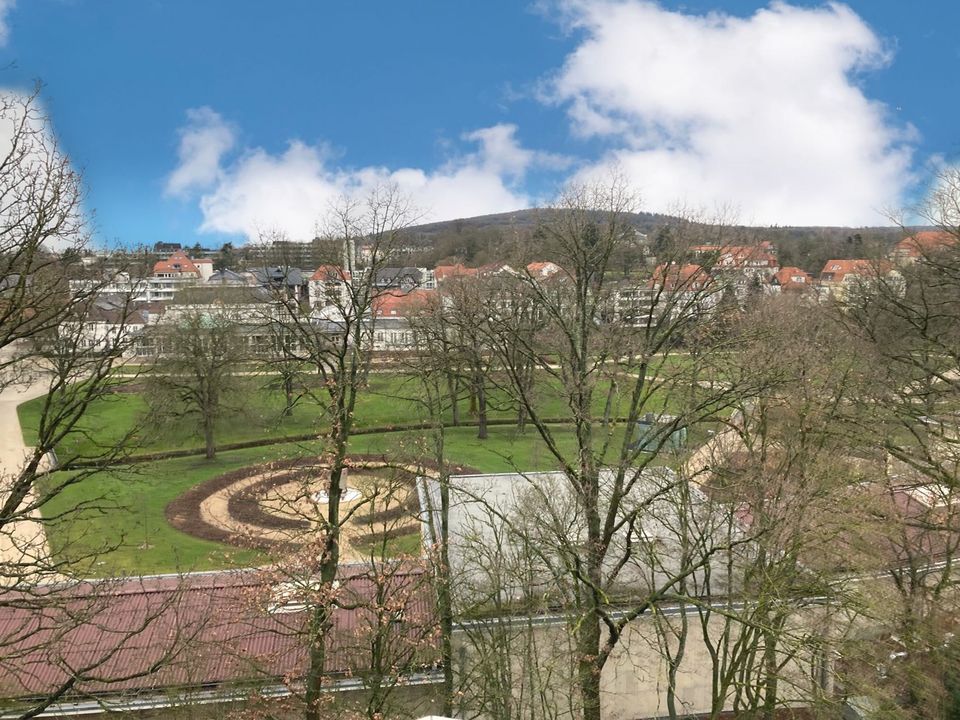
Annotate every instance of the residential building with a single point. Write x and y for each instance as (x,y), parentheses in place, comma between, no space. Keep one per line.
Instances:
(405,279)
(543,270)
(790,279)
(175,272)
(844,279)
(114,320)
(921,245)
(329,285)
(391,327)
(442,273)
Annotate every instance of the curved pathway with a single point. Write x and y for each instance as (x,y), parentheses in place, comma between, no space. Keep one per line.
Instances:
(23,545)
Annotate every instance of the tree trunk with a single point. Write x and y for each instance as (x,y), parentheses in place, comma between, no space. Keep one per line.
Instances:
(288,393)
(588,672)
(770,684)
(321,622)
(320,627)
(444,600)
(481,408)
(454,390)
(208,437)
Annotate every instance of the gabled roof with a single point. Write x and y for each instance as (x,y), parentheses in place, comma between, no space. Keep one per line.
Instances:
(924,242)
(445,272)
(673,276)
(401,304)
(177,263)
(496,268)
(114,309)
(226,276)
(792,278)
(836,270)
(330,273)
(543,269)
(290,276)
(392,276)
(739,256)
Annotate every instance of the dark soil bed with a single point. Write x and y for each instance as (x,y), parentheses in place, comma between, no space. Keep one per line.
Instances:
(183,513)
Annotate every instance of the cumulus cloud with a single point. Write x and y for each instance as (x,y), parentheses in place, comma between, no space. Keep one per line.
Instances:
(203,142)
(257,191)
(6,7)
(762,113)
(36,174)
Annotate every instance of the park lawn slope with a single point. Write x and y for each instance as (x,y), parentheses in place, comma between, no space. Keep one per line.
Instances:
(389,400)
(126,531)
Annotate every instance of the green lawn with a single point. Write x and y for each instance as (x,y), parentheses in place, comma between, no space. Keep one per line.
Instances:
(121,521)
(129,533)
(257,412)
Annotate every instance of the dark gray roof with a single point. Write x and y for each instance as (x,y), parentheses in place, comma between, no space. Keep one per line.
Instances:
(389,276)
(226,277)
(279,275)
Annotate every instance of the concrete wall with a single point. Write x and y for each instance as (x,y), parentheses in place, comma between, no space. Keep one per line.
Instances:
(542,675)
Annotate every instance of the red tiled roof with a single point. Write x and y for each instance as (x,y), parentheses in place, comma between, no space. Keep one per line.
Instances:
(177,263)
(201,630)
(330,273)
(543,269)
(925,242)
(673,276)
(792,278)
(445,272)
(396,303)
(836,270)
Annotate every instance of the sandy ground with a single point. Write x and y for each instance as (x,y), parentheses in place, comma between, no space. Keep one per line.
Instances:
(22,543)
(289,500)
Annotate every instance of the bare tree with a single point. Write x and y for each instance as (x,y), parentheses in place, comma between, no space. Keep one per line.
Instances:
(609,374)
(908,328)
(202,349)
(336,341)
(61,340)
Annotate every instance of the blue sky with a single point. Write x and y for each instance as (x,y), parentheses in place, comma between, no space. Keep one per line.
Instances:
(215,120)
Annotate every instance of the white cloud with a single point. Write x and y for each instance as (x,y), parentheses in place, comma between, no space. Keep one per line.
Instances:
(203,142)
(763,113)
(6,7)
(291,191)
(36,174)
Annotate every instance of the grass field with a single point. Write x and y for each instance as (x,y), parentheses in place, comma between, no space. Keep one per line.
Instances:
(257,412)
(129,533)
(121,522)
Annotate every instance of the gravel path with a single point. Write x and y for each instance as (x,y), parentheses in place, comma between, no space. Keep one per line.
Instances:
(22,543)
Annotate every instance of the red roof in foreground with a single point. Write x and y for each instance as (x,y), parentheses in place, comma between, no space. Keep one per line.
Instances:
(198,630)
